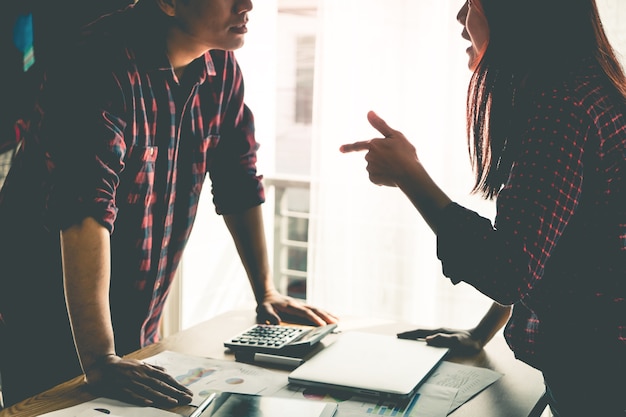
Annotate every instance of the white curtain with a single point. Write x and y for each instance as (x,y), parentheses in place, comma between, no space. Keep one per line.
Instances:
(371,253)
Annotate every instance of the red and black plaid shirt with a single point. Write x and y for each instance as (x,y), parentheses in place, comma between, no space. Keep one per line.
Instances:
(557,250)
(119,139)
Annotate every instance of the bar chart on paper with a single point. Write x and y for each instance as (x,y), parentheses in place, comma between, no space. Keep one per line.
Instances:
(382,409)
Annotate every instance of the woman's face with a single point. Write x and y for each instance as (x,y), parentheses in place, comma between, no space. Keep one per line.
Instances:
(475,30)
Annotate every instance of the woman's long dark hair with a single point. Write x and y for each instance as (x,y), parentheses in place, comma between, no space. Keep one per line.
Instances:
(531,42)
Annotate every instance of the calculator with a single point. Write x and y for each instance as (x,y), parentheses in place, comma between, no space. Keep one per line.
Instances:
(278,338)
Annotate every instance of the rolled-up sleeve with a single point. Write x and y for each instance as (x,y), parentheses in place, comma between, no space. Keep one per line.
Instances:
(472,250)
(233,172)
(84,149)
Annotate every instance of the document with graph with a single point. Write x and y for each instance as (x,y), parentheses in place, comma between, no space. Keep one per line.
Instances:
(205,375)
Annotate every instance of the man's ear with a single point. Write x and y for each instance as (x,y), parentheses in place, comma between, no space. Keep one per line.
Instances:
(167,6)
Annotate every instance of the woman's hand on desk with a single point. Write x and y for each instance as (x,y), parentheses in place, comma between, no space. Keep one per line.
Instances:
(136,382)
(465,341)
(457,340)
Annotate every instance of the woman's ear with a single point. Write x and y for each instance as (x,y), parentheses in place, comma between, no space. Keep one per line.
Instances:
(167,6)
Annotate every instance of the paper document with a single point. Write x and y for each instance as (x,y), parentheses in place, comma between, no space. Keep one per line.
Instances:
(204,375)
(468,380)
(101,407)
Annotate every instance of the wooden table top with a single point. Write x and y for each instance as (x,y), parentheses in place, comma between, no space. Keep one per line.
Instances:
(513,395)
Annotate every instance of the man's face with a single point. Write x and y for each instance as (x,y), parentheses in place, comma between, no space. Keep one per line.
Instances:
(214,24)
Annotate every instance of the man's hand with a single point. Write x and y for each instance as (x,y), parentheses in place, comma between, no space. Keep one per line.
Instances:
(136,382)
(277,307)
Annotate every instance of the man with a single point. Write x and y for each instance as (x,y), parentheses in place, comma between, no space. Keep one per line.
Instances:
(100,201)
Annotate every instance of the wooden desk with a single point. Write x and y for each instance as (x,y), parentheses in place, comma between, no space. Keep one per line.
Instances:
(513,395)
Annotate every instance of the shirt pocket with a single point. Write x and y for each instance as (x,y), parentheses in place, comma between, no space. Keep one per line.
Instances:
(140,167)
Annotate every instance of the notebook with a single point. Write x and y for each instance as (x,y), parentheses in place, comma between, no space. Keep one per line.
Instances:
(370,364)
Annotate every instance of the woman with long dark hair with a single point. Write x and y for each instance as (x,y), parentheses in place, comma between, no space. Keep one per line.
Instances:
(547,140)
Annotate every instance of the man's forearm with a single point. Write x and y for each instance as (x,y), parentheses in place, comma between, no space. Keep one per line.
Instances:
(248,233)
(86,268)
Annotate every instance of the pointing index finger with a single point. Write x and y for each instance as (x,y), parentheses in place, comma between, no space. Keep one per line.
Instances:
(355,147)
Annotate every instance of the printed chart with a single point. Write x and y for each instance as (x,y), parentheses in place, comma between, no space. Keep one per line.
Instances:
(383,409)
(204,375)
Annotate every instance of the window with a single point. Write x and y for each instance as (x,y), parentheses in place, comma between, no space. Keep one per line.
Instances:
(335,239)
(305,53)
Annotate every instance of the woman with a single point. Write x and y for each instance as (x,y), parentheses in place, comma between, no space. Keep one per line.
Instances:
(547,140)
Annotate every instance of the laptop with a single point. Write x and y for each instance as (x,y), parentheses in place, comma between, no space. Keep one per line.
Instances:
(369,364)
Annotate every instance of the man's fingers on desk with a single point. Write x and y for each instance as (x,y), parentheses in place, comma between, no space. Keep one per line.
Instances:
(160,391)
(320,317)
(137,393)
(140,382)
(308,315)
(277,308)
(164,385)
(312,314)
(266,315)
(147,391)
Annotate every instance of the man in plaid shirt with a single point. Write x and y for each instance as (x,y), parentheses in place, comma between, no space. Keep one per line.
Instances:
(101,199)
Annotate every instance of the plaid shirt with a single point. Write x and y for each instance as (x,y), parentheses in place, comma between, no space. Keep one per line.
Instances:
(121,140)
(558,247)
